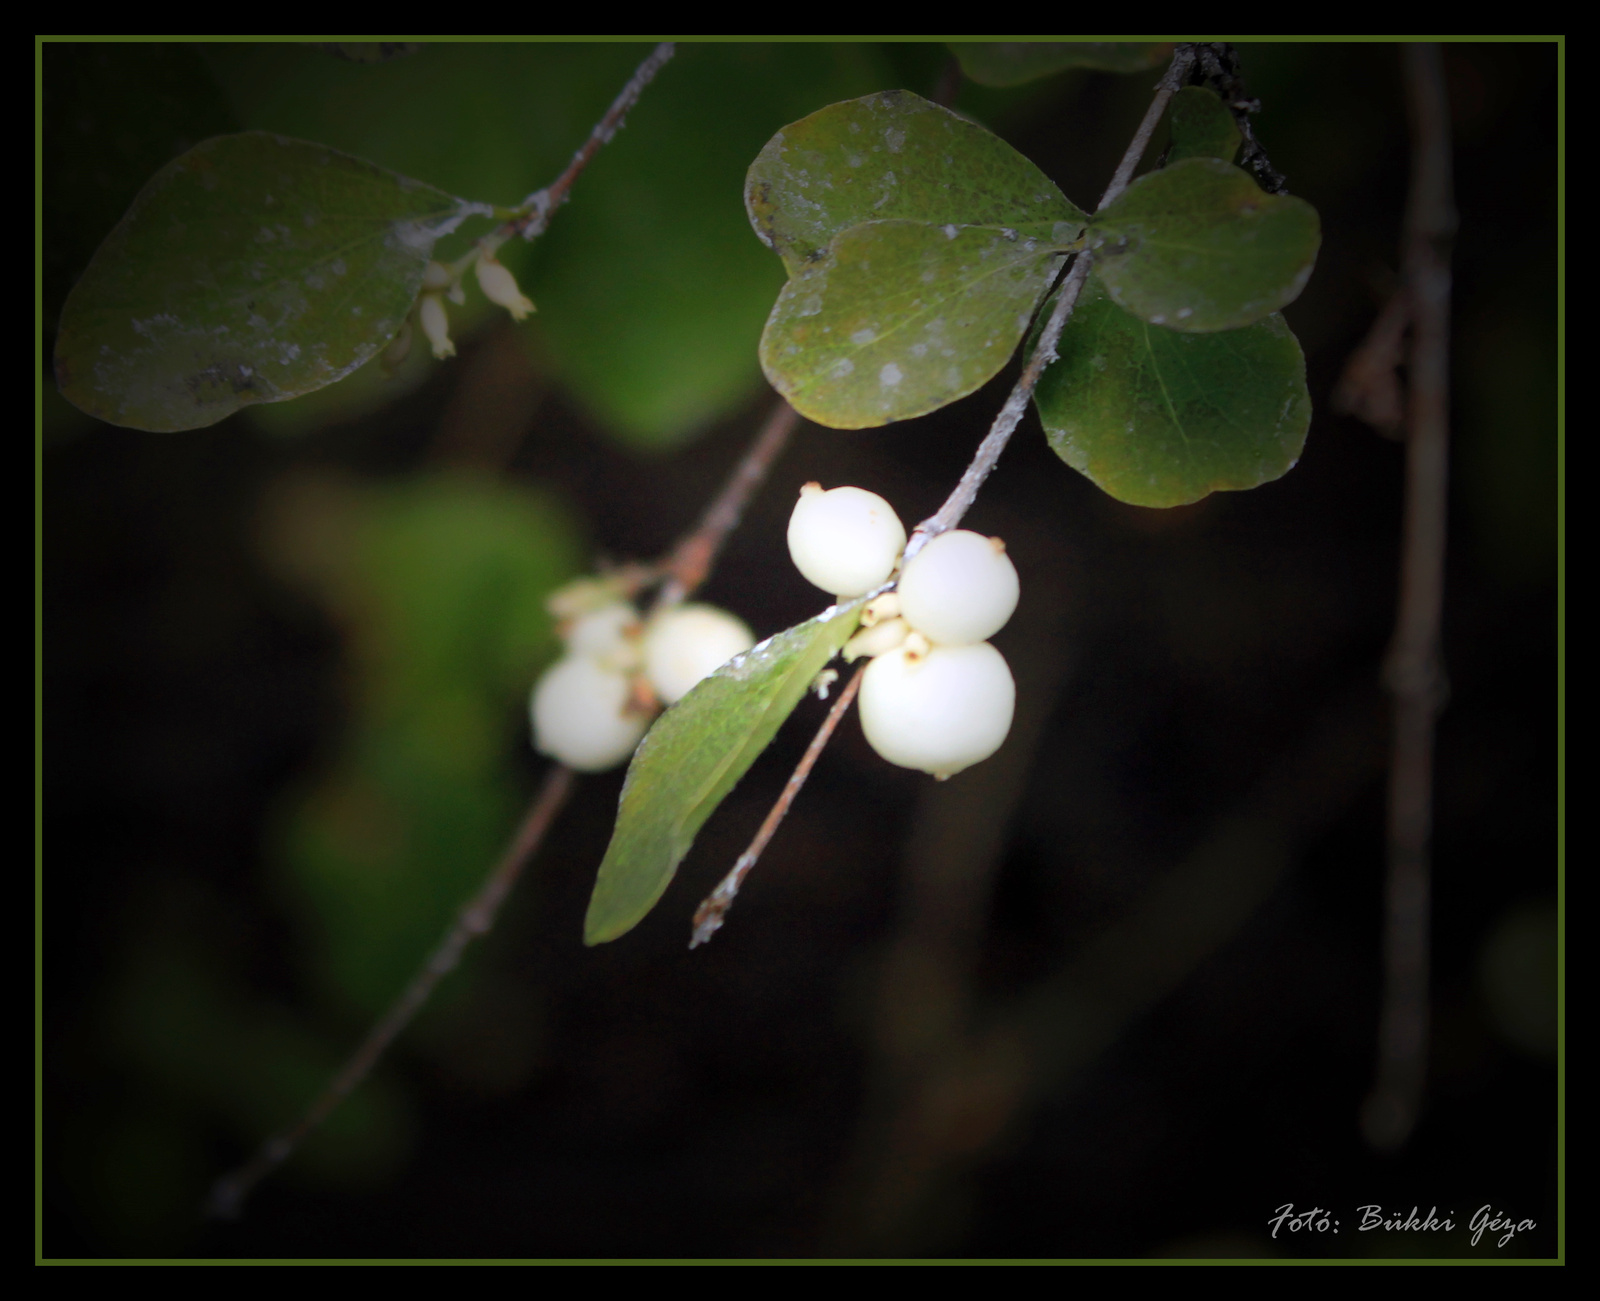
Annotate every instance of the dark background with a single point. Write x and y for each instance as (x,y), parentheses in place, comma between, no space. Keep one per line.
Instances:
(1112,993)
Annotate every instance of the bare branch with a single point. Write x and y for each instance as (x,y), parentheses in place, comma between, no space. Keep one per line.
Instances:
(542,203)
(1005,423)
(1412,670)
(708,916)
(476,918)
(690,562)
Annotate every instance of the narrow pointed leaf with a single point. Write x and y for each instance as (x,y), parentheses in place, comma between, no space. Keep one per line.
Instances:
(1201,126)
(899,318)
(1160,418)
(1198,246)
(893,156)
(1011,63)
(694,755)
(253,268)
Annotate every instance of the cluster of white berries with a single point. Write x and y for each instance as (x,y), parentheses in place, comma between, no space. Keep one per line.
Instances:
(591,708)
(440,282)
(937,696)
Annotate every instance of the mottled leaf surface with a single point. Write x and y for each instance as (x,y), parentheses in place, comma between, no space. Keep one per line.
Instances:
(1156,417)
(917,246)
(694,755)
(893,156)
(252,269)
(899,318)
(1200,126)
(1011,63)
(1198,246)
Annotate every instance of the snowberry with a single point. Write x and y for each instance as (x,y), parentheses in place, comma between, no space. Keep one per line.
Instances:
(609,635)
(435,323)
(582,716)
(847,541)
(690,642)
(959,589)
(938,712)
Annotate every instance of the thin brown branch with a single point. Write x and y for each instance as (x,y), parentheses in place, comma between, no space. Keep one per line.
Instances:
(708,916)
(1005,423)
(1412,670)
(476,918)
(690,561)
(1369,387)
(542,203)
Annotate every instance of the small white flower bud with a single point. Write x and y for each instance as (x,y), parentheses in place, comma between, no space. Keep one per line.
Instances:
(876,640)
(436,325)
(435,277)
(500,286)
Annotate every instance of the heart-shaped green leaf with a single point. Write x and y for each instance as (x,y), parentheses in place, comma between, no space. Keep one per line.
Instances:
(1198,246)
(253,268)
(899,318)
(1160,418)
(894,156)
(694,755)
(1011,63)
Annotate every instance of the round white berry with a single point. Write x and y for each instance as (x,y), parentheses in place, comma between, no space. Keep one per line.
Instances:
(939,712)
(959,589)
(690,642)
(581,715)
(609,634)
(847,541)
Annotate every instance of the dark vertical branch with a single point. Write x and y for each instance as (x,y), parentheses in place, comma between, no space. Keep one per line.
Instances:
(1413,672)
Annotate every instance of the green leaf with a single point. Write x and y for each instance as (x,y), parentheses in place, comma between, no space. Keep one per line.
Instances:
(1198,246)
(1160,418)
(694,755)
(252,269)
(1010,63)
(899,318)
(917,245)
(650,289)
(1201,126)
(894,156)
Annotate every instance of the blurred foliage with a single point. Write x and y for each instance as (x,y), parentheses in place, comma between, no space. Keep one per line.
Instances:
(438,583)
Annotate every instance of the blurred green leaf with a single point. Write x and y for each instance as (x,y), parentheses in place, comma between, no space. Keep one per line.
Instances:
(1198,246)
(917,246)
(252,269)
(1201,126)
(899,318)
(694,755)
(439,583)
(1010,63)
(1159,418)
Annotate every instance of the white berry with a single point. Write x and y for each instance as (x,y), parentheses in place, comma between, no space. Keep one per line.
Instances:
(959,589)
(581,715)
(847,541)
(609,635)
(688,643)
(939,712)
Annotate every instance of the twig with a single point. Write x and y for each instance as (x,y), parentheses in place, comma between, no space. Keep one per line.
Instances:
(686,568)
(1412,669)
(542,203)
(708,916)
(476,918)
(1005,423)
